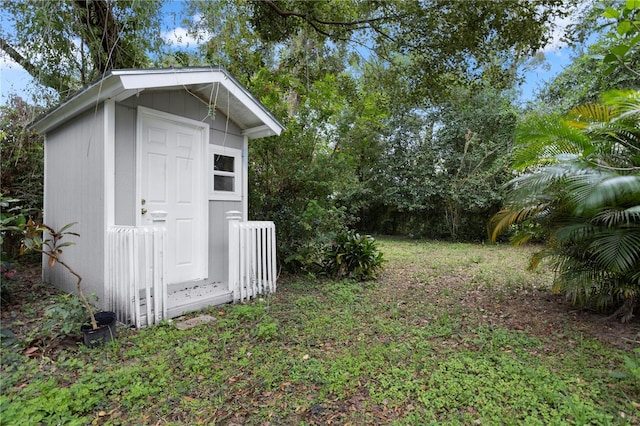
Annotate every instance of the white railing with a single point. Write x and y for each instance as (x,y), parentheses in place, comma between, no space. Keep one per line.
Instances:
(136,274)
(252,257)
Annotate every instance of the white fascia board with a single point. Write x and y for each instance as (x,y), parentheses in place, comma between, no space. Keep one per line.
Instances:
(165,78)
(91,96)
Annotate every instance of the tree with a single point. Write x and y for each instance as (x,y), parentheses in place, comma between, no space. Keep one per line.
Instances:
(474,141)
(22,154)
(624,42)
(421,42)
(439,171)
(356,83)
(610,63)
(67,44)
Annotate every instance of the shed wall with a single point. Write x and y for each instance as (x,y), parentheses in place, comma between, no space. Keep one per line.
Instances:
(223,132)
(74,192)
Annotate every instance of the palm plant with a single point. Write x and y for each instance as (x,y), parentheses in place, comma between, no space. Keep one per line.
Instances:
(579,182)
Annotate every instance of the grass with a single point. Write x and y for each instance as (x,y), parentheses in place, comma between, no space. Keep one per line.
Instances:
(451,334)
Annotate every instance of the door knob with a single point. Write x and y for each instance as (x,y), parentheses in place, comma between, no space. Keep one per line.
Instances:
(143,211)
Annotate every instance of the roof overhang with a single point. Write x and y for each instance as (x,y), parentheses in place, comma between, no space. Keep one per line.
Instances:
(214,86)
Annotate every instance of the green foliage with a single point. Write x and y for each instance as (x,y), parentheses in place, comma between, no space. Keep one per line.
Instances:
(43,239)
(624,40)
(63,317)
(419,42)
(309,234)
(353,256)
(65,45)
(361,131)
(13,219)
(22,165)
(631,370)
(52,404)
(266,330)
(610,63)
(580,182)
(439,173)
(583,81)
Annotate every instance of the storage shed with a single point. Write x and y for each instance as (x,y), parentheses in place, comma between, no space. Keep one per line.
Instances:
(152,165)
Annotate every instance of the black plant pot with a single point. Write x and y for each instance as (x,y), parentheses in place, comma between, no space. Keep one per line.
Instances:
(105,332)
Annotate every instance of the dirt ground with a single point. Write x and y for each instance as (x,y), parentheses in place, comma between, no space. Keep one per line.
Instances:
(539,312)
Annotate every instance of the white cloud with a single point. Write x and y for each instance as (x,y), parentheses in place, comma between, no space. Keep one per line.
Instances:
(182,37)
(179,37)
(555,43)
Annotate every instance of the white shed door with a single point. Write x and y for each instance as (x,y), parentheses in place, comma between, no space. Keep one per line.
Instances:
(172,185)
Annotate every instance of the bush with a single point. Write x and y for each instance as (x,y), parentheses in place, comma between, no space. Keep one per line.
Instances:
(13,218)
(305,237)
(353,256)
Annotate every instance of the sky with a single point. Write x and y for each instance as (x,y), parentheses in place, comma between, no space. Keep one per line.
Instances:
(15,80)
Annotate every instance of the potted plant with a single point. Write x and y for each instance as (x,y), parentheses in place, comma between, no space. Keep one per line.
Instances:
(101,326)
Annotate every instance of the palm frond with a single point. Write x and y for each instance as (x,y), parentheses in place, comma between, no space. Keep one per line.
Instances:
(615,217)
(541,139)
(582,188)
(595,190)
(539,182)
(506,218)
(581,116)
(617,250)
(626,102)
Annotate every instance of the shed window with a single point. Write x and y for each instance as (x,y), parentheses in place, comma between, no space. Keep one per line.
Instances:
(225,169)
(223,163)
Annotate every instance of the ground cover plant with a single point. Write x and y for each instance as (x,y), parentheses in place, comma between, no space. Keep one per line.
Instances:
(450,333)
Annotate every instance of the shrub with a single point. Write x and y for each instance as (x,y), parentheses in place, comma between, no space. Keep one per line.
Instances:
(13,218)
(305,237)
(353,256)
(22,165)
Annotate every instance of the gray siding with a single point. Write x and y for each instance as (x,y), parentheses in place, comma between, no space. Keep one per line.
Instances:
(125,167)
(219,239)
(74,192)
(183,104)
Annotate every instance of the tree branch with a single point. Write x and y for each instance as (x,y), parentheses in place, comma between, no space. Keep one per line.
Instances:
(314,21)
(17,57)
(45,79)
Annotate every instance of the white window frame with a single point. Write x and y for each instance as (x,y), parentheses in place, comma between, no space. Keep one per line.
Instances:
(236,194)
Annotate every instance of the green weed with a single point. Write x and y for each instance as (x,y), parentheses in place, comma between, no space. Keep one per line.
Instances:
(408,350)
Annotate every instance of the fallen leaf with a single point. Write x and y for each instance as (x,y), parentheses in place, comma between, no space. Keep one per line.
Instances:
(31,350)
